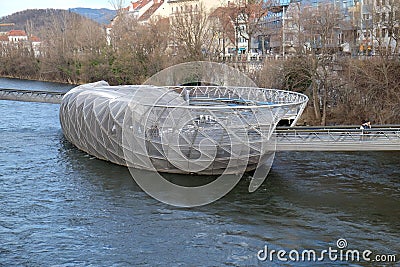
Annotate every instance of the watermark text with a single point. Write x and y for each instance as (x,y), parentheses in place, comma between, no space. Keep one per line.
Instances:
(338,253)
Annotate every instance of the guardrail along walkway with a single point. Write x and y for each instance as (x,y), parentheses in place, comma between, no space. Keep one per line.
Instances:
(31,95)
(339,138)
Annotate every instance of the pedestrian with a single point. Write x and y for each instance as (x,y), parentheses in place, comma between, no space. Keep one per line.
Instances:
(369,124)
(366,124)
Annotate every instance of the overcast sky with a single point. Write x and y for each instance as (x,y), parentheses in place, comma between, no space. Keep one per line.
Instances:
(8,7)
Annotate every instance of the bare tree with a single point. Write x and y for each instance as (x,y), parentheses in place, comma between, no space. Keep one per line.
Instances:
(118,5)
(223,27)
(191,33)
(68,42)
(138,50)
(320,27)
(313,72)
(373,89)
(18,60)
(246,17)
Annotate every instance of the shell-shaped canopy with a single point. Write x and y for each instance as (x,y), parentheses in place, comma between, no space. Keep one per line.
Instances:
(176,129)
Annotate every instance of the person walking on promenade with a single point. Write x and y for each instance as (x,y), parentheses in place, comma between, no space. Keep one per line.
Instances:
(366,124)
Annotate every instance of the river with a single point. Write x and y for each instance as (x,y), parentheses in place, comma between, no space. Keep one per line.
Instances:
(62,207)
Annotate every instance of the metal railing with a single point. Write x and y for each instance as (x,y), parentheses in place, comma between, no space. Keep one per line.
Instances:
(345,138)
(31,95)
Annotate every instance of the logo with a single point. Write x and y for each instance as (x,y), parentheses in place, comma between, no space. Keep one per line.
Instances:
(340,253)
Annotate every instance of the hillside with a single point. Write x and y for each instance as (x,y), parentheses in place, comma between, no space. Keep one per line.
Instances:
(102,16)
(37,21)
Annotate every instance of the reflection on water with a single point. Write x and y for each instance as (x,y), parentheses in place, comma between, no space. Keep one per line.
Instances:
(60,206)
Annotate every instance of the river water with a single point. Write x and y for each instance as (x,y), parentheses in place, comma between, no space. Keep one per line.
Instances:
(62,207)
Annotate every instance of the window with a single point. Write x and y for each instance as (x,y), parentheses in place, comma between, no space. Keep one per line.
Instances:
(384,32)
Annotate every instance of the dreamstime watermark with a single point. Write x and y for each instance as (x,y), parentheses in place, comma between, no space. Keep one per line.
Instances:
(334,254)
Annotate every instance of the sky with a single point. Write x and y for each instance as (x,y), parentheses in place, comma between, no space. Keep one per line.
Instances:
(8,7)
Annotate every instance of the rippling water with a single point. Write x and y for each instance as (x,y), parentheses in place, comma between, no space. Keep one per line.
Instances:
(61,207)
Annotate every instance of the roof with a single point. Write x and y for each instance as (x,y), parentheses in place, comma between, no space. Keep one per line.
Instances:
(16,33)
(146,15)
(34,39)
(139,4)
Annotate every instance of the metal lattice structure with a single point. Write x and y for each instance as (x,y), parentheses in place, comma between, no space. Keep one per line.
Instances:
(349,138)
(179,129)
(31,95)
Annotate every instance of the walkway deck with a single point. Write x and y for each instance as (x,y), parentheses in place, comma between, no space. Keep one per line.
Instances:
(338,138)
(31,95)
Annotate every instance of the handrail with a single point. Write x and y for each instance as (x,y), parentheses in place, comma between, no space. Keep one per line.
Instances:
(31,91)
(31,95)
(353,126)
(386,137)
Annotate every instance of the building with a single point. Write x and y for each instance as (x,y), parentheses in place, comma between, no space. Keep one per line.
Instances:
(16,37)
(361,27)
(378,26)
(272,34)
(225,34)
(146,10)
